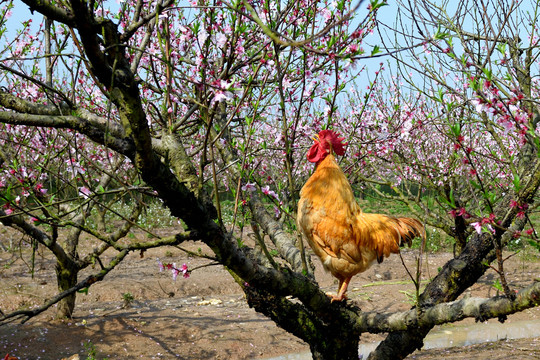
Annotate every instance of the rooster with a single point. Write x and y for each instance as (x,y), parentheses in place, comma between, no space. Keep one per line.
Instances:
(346,240)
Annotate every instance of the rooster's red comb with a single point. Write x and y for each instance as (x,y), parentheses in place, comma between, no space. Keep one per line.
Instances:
(333,138)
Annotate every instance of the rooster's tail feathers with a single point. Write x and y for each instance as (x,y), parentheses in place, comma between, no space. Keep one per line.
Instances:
(385,234)
(408,229)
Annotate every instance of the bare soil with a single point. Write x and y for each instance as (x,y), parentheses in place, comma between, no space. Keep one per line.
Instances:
(206,315)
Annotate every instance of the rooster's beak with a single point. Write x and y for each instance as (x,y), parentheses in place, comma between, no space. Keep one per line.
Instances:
(316,138)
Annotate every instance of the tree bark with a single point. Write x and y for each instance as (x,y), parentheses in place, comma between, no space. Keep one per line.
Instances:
(66,276)
(331,337)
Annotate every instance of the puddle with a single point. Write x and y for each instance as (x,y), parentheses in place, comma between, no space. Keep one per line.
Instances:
(456,336)
(479,333)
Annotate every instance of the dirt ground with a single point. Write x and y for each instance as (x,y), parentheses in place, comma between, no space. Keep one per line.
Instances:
(206,316)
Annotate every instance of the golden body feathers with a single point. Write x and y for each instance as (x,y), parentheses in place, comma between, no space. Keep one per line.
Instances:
(347,240)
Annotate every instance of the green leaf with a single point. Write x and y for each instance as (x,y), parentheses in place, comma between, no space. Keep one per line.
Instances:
(195,27)
(452,199)
(328,99)
(488,73)
(463,60)
(474,84)
(83,291)
(516,182)
(332,41)
(448,202)
(497,285)
(439,34)
(376,50)
(456,129)
(440,95)
(375,4)
(475,185)
(535,244)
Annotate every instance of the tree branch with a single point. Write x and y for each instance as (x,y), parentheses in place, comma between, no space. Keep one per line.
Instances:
(480,309)
(96,128)
(280,238)
(26,315)
(51,11)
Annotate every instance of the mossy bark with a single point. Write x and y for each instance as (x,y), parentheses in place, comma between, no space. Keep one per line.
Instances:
(66,276)
(330,337)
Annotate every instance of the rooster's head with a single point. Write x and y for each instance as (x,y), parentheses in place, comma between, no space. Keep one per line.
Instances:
(326,142)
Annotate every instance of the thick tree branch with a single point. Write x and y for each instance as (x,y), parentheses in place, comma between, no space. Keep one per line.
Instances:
(280,238)
(480,309)
(96,128)
(17,222)
(53,12)
(12,102)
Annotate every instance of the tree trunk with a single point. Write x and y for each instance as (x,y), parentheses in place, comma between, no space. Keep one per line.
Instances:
(67,271)
(330,337)
(66,275)
(335,348)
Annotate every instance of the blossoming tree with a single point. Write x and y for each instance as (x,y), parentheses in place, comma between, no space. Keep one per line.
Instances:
(457,120)
(196,103)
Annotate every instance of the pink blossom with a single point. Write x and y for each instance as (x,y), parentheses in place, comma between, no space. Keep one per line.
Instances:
(220,95)
(477,226)
(266,191)
(202,36)
(240,50)
(224,84)
(286,83)
(479,106)
(185,271)
(40,189)
(249,187)
(221,40)
(161,266)
(327,14)
(175,271)
(84,192)
(459,212)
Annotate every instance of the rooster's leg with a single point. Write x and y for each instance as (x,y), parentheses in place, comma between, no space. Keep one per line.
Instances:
(343,284)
